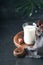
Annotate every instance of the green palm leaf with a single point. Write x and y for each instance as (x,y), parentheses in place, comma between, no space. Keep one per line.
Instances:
(25,7)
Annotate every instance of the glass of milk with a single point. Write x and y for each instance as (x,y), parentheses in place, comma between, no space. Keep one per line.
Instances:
(29,33)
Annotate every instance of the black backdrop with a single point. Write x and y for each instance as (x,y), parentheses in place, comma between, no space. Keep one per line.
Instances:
(10,24)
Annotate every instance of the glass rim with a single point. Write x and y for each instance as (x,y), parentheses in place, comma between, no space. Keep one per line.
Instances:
(28,23)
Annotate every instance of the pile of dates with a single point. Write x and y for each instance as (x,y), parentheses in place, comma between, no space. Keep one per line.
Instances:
(39,28)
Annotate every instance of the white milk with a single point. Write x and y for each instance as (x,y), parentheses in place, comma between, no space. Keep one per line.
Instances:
(29,34)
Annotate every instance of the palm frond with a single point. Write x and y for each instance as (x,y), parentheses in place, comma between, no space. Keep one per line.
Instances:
(25,7)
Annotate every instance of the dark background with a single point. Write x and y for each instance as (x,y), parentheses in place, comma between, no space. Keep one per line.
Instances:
(10,24)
